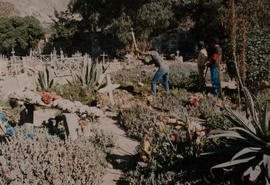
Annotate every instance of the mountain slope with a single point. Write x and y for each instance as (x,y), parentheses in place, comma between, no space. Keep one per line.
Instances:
(41,9)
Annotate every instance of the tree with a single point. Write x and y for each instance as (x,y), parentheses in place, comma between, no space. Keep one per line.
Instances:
(115,18)
(212,17)
(19,33)
(65,29)
(253,32)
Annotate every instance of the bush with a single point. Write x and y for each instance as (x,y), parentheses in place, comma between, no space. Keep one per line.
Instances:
(75,92)
(171,155)
(257,57)
(46,159)
(258,60)
(143,74)
(183,75)
(180,104)
(19,33)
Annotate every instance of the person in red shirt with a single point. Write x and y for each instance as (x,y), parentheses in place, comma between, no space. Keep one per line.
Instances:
(215,57)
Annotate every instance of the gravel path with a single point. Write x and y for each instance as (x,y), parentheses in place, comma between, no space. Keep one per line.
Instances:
(123,153)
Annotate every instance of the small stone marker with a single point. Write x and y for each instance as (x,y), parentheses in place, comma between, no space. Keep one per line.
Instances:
(109,88)
(103,58)
(42,115)
(61,54)
(54,59)
(13,53)
(72,125)
(128,56)
(177,53)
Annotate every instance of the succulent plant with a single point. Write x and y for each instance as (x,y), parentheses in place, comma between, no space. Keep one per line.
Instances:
(44,80)
(248,141)
(90,76)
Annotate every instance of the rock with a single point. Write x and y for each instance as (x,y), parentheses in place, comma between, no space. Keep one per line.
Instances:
(43,115)
(62,104)
(96,111)
(83,109)
(140,84)
(72,125)
(78,104)
(56,103)
(172,121)
(28,126)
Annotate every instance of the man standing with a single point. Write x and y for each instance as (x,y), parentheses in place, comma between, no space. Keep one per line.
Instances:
(163,69)
(202,58)
(215,57)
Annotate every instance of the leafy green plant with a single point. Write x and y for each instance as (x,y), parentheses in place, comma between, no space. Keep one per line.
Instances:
(248,141)
(44,80)
(90,75)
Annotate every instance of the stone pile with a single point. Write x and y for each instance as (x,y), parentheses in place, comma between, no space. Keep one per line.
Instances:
(62,104)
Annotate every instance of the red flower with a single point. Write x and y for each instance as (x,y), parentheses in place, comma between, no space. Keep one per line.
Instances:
(194,101)
(175,137)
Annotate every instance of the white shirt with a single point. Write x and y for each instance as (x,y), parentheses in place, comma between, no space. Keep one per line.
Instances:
(202,58)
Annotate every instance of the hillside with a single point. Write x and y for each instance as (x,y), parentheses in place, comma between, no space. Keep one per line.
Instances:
(41,9)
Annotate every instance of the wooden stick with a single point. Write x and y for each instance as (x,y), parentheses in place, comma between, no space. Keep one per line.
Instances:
(133,37)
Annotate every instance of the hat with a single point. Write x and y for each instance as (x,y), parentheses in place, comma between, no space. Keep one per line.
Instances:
(201,44)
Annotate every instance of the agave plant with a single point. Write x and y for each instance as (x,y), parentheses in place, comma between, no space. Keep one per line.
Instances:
(90,76)
(248,142)
(44,80)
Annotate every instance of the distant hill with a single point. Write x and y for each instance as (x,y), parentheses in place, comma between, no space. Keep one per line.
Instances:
(41,9)
(8,9)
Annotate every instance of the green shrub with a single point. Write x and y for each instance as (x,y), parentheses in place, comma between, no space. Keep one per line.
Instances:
(19,33)
(134,75)
(183,75)
(257,57)
(76,92)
